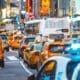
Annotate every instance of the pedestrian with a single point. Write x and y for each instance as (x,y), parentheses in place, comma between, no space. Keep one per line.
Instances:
(1,54)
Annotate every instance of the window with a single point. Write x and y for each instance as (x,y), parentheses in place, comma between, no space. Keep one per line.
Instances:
(76,26)
(48,71)
(70,69)
(29,39)
(75,36)
(4,37)
(56,48)
(78,76)
(32,28)
(67,48)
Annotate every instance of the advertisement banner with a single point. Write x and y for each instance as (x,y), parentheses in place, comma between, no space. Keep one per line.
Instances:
(29,5)
(44,7)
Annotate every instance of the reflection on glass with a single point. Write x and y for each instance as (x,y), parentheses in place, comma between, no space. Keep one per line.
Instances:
(48,71)
(4,37)
(56,48)
(29,39)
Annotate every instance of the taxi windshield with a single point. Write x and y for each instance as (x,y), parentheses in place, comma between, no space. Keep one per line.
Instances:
(56,48)
(29,39)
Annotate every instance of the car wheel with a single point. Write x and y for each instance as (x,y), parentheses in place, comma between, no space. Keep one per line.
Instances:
(12,48)
(19,54)
(7,49)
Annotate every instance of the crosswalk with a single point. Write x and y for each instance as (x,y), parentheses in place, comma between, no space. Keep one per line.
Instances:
(11,58)
(12,55)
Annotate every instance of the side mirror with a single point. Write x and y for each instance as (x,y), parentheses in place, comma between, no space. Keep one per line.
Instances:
(31,77)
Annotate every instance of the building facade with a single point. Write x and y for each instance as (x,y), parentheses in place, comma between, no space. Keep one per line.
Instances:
(2,7)
(48,8)
(58,8)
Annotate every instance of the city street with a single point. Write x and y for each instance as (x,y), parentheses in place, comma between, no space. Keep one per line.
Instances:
(14,68)
(39,39)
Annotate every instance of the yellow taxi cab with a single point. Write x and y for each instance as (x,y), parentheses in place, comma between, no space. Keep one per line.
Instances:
(52,49)
(15,44)
(4,37)
(31,57)
(4,40)
(14,41)
(31,53)
(1,54)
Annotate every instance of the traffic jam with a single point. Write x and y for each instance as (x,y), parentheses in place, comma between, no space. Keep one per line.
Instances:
(54,52)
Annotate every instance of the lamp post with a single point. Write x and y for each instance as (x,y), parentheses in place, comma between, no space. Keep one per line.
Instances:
(8,8)
(22,15)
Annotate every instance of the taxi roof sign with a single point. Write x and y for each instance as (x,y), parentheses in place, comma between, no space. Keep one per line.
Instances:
(56,36)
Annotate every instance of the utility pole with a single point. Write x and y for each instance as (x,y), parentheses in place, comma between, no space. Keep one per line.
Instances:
(36,5)
(8,8)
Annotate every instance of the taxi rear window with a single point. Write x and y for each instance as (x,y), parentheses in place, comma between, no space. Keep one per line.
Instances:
(56,48)
(29,39)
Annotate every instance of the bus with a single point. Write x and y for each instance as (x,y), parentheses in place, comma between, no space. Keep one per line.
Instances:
(48,26)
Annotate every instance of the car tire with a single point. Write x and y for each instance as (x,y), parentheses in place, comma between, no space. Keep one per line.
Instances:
(12,48)
(19,55)
(7,49)
(2,64)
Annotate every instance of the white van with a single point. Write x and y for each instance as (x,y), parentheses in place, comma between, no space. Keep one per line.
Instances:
(49,26)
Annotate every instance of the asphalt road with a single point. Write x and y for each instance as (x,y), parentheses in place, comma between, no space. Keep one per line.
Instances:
(14,69)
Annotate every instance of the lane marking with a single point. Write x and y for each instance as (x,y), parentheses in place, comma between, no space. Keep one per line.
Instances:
(7,62)
(27,70)
(12,58)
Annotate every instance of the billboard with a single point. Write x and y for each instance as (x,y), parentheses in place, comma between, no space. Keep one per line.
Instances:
(44,7)
(29,6)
